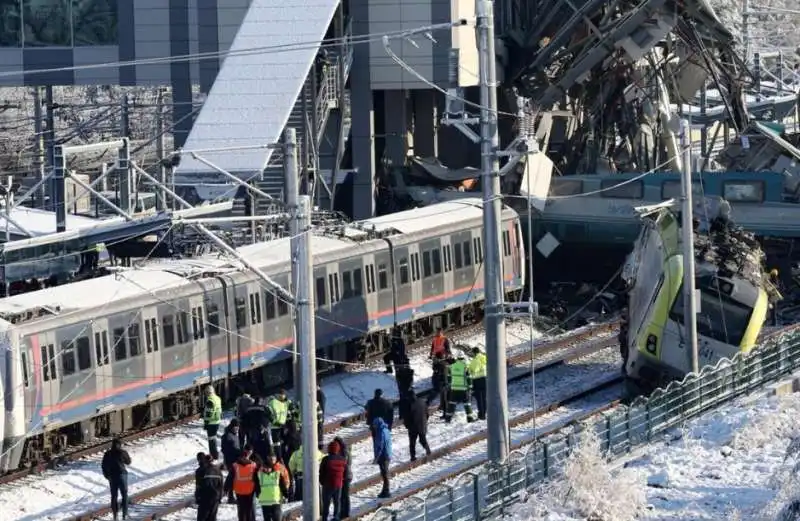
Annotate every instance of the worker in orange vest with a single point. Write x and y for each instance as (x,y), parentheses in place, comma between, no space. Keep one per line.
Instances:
(440,345)
(240,480)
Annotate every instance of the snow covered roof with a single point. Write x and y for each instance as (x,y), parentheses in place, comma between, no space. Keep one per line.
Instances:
(40,222)
(427,217)
(254,92)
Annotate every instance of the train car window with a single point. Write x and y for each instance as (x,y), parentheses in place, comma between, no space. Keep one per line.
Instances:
(614,189)
(270,310)
(743,191)
(101,348)
(436,257)
(255,308)
(404,273)
(369,275)
(67,358)
(48,366)
(212,319)
(427,265)
(283,306)
(467,258)
(672,189)
(415,266)
(168,330)
(358,287)
(507,243)
(560,186)
(477,248)
(383,277)
(320,288)
(347,285)
(446,258)
(120,349)
(333,283)
(84,353)
(197,323)
(182,327)
(25,378)
(459,257)
(240,305)
(155,333)
(133,339)
(151,335)
(52,360)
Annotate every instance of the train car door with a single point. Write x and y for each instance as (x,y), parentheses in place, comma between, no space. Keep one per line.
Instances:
(127,359)
(76,377)
(31,377)
(447,272)
(152,344)
(404,290)
(102,359)
(370,295)
(197,331)
(464,277)
(284,329)
(216,340)
(46,364)
(385,287)
(242,333)
(432,282)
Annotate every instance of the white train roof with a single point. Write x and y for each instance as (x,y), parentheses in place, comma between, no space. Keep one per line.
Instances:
(429,217)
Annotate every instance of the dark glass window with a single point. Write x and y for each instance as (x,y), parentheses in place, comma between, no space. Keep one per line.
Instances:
(241,312)
(383,277)
(84,353)
(269,300)
(212,319)
(133,339)
(615,189)
(358,288)
(720,317)
(120,349)
(94,22)
(168,330)
(347,285)
(67,358)
(459,258)
(467,257)
(25,377)
(283,306)
(47,22)
(101,348)
(183,327)
(427,268)
(403,271)
(320,288)
(255,308)
(48,362)
(10,23)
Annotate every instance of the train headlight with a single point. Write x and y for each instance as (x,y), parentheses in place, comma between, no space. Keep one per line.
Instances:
(651,344)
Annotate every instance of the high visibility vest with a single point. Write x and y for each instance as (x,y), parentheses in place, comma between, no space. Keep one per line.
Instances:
(270,488)
(280,411)
(243,478)
(477,367)
(458,376)
(296,461)
(213,414)
(438,345)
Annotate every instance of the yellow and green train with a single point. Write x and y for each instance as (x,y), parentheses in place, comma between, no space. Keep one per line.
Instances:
(733,301)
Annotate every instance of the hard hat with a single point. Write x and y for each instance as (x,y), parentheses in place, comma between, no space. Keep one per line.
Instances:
(209,389)
(773,272)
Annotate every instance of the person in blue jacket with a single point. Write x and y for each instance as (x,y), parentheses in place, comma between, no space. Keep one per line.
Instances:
(382,450)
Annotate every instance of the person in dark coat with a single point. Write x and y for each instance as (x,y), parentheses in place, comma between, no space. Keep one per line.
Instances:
(208,491)
(292,438)
(115,470)
(405,376)
(344,509)
(254,423)
(438,381)
(243,403)
(382,452)
(416,422)
(397,351)
(231,449)
(321,400)
(380,407)
(332,471)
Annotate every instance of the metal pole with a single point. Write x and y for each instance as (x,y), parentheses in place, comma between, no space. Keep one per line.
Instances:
(496,382)
(124,177)
(161,197)
(58,197)
(690,302)
(306,340)
(290,197)
(50,141)
(746,30)
(8,239)
(39,129)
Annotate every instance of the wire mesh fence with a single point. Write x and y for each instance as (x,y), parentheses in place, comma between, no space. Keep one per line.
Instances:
(488,492)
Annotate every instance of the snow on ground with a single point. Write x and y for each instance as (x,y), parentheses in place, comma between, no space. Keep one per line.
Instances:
(738,462)
(79,486)
(551,385)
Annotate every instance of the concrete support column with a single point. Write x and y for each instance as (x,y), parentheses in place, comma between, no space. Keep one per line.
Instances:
(396,117)
(363,117)
(426,123)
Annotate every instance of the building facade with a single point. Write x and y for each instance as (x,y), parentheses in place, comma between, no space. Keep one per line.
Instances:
(118,42)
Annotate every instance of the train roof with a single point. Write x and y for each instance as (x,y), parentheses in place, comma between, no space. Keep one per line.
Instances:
(155,276)
(429,217)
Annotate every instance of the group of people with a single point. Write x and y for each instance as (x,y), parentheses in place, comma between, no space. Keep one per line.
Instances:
(262,453)
(456,380)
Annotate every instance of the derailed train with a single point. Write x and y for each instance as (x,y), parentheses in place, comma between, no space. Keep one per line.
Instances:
(734,298)
(111,353)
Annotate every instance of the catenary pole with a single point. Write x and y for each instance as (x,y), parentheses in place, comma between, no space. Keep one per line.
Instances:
(496,383)
(306,342)
(690,310)
(290,195)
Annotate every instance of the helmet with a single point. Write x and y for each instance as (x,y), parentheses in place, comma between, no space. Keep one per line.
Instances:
(773,272)
(209,389)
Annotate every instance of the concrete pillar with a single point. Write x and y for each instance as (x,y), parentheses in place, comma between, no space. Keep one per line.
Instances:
(426,123)
(396,118)
(363,117)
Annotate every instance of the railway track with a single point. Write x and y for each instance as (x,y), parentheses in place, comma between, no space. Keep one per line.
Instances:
(102,444)
(177,494)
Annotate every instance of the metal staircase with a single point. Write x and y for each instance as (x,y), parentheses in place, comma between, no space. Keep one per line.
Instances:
(326,99)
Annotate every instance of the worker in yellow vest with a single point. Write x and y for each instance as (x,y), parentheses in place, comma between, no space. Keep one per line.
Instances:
(459,385)
(271,488)
(212,415)
(296,470)
(477,371)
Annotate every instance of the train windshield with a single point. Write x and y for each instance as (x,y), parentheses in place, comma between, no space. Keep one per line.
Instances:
(720,317)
